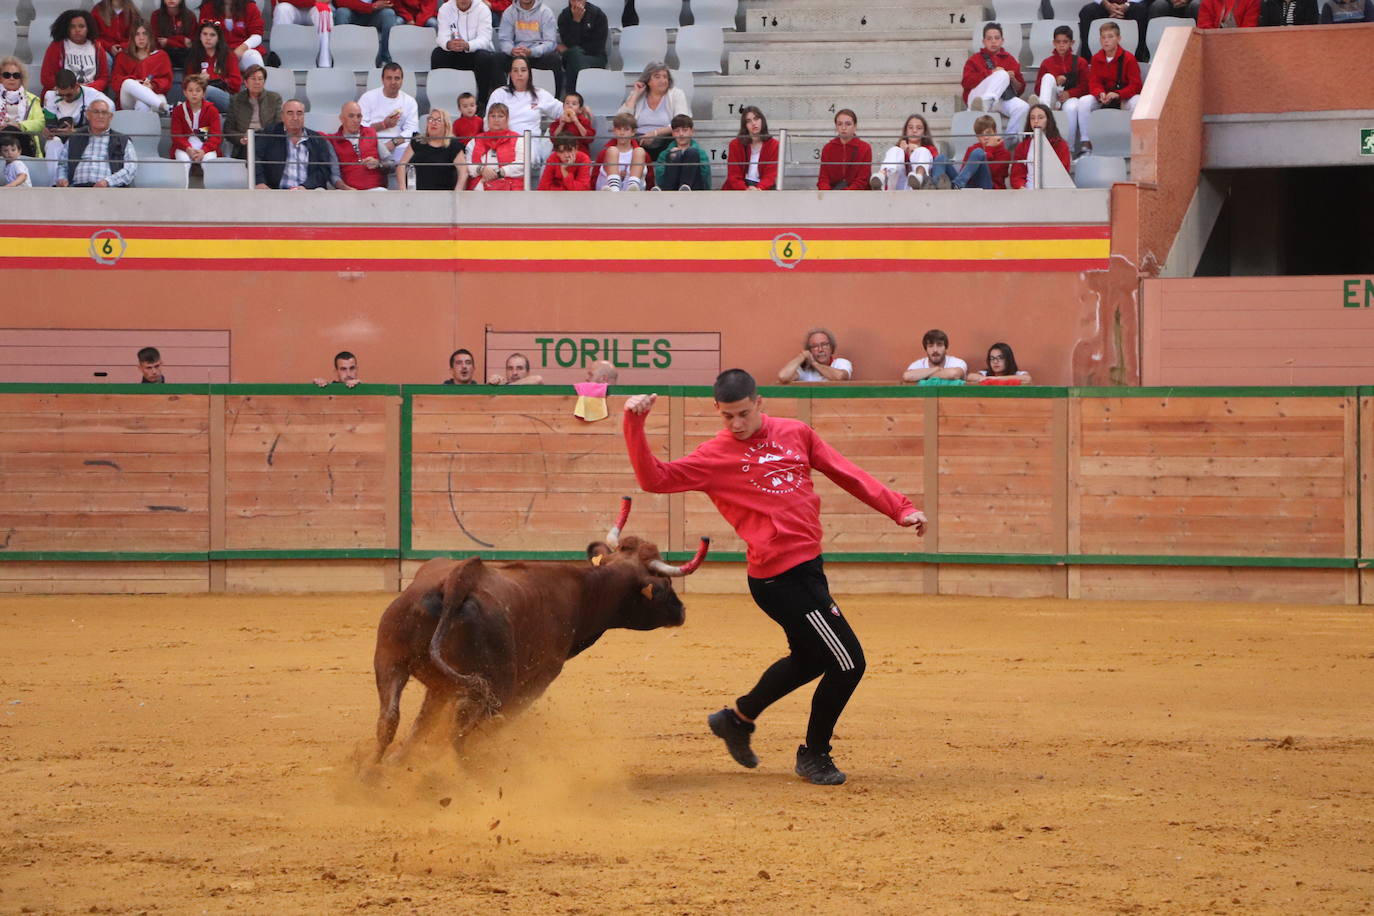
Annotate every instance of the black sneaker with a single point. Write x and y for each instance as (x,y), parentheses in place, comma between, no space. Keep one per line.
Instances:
(735,732)
(818,768)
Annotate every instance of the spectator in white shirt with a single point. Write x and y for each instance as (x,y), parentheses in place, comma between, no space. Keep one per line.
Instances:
(937,362)
(69,102)
(391,112)
(465,42)
(817,362)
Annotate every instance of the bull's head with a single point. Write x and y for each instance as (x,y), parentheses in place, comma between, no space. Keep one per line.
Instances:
(657,605)
(641,551)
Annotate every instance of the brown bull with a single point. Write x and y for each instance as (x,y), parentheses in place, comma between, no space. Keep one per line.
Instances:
(494,637)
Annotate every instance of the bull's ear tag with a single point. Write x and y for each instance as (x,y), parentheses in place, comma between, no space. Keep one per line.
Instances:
(648,591)
(596,560)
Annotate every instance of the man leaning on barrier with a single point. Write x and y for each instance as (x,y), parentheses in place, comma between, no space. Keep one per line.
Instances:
(98,157)
(292,157)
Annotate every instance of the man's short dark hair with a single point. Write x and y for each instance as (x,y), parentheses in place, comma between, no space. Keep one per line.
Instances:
(735,385)
(935,335)
(564,141)
(147,354)
(681,121)
(65,79)
(392,65)
(457,353)
(10,137)
(342,354)
(1064,30)
(989,26)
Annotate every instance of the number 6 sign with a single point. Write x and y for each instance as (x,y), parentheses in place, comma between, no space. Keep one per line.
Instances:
(788,250)
(107,247)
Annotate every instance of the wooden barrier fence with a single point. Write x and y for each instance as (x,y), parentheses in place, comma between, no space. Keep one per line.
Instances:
(1210,493)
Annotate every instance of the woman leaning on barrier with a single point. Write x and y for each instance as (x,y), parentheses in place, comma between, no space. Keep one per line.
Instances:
(1002,369)
(20,110)
(437,157)
(254,107)
(752,158)
(142,74)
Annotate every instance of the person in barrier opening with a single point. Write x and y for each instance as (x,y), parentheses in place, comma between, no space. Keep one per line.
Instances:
(937,363)
(64,112)
(174,29)
(462,368)
(292,157)
(1064,79)
(529,32)
(196,128)
(1113,81)
(142,74)
(345,371)
(1002,369)
(468,124)
(150,367)
(16,173)
(1135,10)
(1023,174)
(1228,14)
(497,163)
(1288,12)
(308,12)
(526,107)
(655,101)
(846,161)
(116,20)
(752,157)
(74,48)
(568,169)
(437,157)
(583,31)
(242,22)
(622,160)
(817,361)
(392,112)
(361,164)
(913,161)
(97,157)
(684,166)
(464,41)
(758,471)
(20,110)
(211,58)
(254,107)
(517,372)
(986,162)
(576,122)
(993,82)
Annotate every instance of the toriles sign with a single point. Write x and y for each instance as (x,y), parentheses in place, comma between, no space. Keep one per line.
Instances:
(641,357)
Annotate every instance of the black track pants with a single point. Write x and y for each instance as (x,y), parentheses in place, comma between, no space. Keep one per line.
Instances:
(820,644)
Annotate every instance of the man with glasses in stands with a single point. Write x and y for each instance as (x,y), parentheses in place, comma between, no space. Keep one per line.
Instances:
(98,157)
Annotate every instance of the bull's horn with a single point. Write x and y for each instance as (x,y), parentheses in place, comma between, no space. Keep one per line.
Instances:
(686,569)
(613,536)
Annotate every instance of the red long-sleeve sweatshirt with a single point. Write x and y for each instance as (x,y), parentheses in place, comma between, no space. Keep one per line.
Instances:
(1064,66)
(1102,75)
(976,70)
(1213,12)
(999,162)
(156,67)
(762,486)
(850,162)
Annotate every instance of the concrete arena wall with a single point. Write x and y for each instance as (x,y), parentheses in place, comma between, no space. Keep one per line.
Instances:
(893,268)
(1152,493)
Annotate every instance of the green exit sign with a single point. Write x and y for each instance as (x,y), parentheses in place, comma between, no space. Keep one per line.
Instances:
(1367,141)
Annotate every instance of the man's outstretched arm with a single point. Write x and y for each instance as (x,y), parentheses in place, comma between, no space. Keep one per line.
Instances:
(864,487)
(656,476)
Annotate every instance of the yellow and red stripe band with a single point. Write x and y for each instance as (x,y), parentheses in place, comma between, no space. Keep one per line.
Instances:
(558,249)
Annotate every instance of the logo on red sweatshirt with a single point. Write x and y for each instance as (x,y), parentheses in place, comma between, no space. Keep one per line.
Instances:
(773,468)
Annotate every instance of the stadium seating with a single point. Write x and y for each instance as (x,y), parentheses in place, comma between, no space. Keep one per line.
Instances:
(1010,12)
(1130,34)
(322,120)
(282,81)
(1155,30)
(1110,129)
(443,87)
(720,14)
(327,89)
(142,126)
(353,47)
(662,14)
(700,48)
(602,90)
(615,12)
(40,172)
(961,128)
(1066,9)
(1042,37)
(545,79)
(298,45)
(161,173)
(640,44)
(410,47)
(1099,171)
(1011,39)
(226,174)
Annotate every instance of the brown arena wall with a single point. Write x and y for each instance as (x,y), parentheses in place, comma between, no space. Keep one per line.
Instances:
(1236,494)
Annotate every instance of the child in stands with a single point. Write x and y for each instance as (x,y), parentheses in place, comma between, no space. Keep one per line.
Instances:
(1064,79)
(683,166)
(16,173)
(986,162)
(468,124)
(576,121)
(752,158)
(568,169)
(1024,173)
(623,159)
(911,163)
(196,130)
(1113,80)
(846,161)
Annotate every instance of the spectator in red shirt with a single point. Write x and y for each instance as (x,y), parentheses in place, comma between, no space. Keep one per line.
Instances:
(568,169)
(846,161)
(986,162)
(211,58)
(752,157)
(623,161)
(116,20)
(362,167)
(142,73)
(1064,78)
(74,47)
(196,129)
(576,121)
(174,28)
(496,160)
(1023,173)
(1113,80)
(992,80)
(468,124)
(242,24)
(909,164)
(1228,14)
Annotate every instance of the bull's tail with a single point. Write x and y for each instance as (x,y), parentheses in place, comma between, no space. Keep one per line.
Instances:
(457,591)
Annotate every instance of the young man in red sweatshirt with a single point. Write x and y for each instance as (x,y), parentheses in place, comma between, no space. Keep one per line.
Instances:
(846,161)
(1113,80)
(757,471)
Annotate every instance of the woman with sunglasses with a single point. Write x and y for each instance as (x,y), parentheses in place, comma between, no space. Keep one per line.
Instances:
(20,110)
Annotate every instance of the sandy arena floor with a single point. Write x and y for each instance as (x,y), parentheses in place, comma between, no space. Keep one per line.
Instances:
(196,755)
